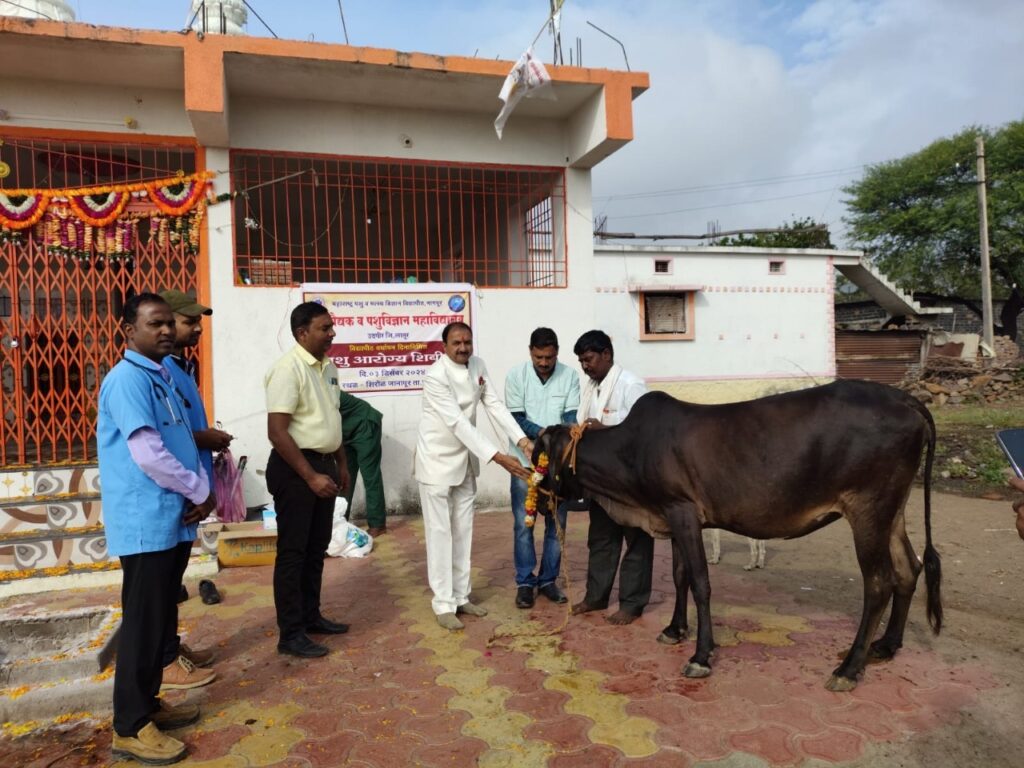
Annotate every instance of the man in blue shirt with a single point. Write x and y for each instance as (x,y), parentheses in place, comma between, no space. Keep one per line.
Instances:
(539,394)
(154,492)
(188,318)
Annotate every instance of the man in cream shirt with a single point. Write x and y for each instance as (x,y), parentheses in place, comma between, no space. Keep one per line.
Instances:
(447,462)
(306,472)
(607,396)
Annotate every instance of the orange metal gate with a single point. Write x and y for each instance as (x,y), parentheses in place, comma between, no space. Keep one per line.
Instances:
(59,309)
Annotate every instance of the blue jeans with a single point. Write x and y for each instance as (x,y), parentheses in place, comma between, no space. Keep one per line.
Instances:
(524,554)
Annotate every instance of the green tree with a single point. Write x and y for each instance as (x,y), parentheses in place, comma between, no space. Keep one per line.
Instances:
(917,217)
(799,233)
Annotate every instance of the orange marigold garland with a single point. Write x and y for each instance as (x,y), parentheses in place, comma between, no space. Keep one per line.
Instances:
(22,210)
(539,473)
(100,209)
(178,196)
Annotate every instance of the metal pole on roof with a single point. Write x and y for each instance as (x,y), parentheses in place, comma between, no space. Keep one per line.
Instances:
(986,270)
(607,34)
(343,27)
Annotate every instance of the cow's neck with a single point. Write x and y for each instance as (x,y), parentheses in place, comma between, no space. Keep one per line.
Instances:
(603,464)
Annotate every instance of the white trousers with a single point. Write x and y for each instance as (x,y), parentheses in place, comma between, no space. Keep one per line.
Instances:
(448,524)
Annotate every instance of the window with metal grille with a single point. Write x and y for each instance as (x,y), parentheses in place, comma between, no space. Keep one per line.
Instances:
(666,316)
(776,267)
(662,267)
(301,218)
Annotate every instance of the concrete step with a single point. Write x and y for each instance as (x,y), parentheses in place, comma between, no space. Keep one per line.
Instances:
(56,664)
(21,484)
(51,522)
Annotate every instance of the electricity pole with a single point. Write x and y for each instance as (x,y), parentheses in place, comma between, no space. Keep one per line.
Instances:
(986,273)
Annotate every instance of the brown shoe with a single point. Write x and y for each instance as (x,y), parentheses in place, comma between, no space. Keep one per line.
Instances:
(148,746)
(377,530)
(199,658)
(169,717)
(182,674)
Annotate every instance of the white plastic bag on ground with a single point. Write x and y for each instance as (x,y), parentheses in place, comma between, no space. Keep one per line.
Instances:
(346,539)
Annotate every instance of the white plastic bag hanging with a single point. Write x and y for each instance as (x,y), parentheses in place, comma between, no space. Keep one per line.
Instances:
(346,539)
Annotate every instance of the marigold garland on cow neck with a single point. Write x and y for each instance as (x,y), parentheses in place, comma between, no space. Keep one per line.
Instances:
(540,471)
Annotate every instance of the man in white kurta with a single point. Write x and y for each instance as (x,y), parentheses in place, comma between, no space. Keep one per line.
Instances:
(608,394)
(448,455)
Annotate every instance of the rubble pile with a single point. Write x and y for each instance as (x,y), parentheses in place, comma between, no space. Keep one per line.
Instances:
(954,381)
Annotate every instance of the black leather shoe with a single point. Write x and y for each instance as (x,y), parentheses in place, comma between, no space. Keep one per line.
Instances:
(553,593)
(302,647)
(524,597)
(208,591)
(324,626)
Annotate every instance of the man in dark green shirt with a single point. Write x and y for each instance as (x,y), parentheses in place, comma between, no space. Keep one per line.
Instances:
(361,435)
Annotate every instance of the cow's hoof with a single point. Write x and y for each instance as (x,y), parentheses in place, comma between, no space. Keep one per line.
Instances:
(839,684)
(672,636)
(880,652)
(695,670)
(748,567)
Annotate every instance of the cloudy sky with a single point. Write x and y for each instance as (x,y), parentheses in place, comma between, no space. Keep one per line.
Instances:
(759,110)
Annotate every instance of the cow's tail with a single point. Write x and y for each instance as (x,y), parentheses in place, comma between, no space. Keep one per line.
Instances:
(932,563)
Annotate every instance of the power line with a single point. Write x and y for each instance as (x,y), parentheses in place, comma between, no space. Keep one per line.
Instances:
(721,205)
(727,185)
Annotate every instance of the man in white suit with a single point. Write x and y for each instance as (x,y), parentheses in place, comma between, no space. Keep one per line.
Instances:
(448,455)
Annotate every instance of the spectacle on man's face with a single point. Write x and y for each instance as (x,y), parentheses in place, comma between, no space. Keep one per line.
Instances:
(459,346)
(544,359)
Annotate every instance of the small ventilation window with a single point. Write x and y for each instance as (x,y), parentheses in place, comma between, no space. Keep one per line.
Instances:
(776,267)
(666,316)
(662,267)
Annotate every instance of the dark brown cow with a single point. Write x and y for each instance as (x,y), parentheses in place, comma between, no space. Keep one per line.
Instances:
(778,467)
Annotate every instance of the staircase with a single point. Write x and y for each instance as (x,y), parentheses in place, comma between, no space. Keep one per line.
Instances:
(50,521)
(51,531)
(885,293)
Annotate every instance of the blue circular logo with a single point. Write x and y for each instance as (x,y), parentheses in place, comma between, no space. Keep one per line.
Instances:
(456,303)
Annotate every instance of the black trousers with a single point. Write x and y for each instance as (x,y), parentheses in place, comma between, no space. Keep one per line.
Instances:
(149,593)
(304,525)
(172,641)
(604,540)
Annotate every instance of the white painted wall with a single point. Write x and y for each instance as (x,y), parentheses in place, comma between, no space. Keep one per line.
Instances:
(355,129)
(749,324)
(249,331)
(85,107)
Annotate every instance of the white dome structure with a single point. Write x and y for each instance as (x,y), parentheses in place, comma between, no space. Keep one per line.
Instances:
(52,10)
(222,17)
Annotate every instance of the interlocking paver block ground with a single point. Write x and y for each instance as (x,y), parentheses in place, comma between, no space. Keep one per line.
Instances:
(526,688)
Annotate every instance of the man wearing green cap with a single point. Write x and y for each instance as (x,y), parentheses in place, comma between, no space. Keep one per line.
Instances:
(182,665)
(361,435)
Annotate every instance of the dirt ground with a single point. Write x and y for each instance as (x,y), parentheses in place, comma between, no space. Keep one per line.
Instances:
(983,570)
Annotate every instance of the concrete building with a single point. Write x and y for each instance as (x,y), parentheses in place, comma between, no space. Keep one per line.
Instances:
(354,170)
(332,164)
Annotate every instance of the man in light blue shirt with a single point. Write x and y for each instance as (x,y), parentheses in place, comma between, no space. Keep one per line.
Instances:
(154,492)
(539,394)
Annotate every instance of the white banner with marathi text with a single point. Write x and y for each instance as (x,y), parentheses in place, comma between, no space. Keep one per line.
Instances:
(387,335)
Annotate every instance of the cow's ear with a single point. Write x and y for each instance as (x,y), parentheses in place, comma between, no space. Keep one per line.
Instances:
(540,445)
